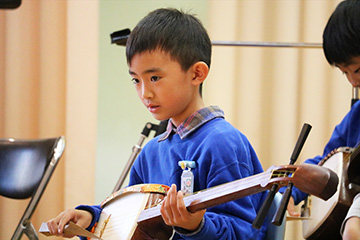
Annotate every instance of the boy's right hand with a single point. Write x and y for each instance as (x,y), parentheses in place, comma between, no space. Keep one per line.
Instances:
(291,208)
(79,217)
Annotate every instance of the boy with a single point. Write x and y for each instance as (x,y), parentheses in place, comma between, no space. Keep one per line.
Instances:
(169,55)
(341,44)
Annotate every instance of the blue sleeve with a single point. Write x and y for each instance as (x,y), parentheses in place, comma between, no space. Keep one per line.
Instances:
(95,212)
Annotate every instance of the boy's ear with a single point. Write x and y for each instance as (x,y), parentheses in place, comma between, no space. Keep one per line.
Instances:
(200,72)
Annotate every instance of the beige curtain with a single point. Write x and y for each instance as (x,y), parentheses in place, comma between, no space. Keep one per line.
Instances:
(48,86)
(41,82)
(33,92)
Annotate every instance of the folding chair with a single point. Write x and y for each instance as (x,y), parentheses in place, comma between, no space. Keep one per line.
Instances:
(25,170)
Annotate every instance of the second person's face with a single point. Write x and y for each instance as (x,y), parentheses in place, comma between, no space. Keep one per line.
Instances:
(352,71)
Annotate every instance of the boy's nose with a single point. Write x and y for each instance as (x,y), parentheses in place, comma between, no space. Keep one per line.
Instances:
(146,92)
(354,80)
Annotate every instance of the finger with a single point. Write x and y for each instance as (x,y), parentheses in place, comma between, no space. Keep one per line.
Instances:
(163,211)
(166,207)
(172,203)
(182,210)
(166,212)
(291,208)
(66,218)
(175,215)
(53,224)
(53,227)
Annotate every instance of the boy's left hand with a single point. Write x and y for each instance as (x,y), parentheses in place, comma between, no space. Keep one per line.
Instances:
(174,212)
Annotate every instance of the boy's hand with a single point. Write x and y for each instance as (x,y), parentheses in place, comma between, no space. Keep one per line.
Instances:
(352,229)
(174,212)
(80,217)
(291,208)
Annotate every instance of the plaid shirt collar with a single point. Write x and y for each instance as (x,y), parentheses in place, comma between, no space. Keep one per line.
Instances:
(193,122)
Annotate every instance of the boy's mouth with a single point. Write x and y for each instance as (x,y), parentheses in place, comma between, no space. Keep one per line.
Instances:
(153,108)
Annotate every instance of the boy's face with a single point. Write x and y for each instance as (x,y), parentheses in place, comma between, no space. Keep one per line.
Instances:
(163,87)
(352,71)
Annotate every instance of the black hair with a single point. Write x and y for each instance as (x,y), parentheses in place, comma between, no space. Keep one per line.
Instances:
(341,37)
(180,34)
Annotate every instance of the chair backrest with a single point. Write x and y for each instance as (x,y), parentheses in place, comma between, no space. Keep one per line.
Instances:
(25,169)
(275,232)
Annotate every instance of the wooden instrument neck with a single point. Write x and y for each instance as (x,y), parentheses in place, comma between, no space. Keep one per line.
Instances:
(312,179)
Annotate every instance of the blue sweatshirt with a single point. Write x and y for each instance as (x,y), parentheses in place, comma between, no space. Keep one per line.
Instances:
(222,154)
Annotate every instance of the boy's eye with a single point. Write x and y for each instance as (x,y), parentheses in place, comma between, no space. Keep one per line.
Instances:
(155,78)
(135,81)
(357,70)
